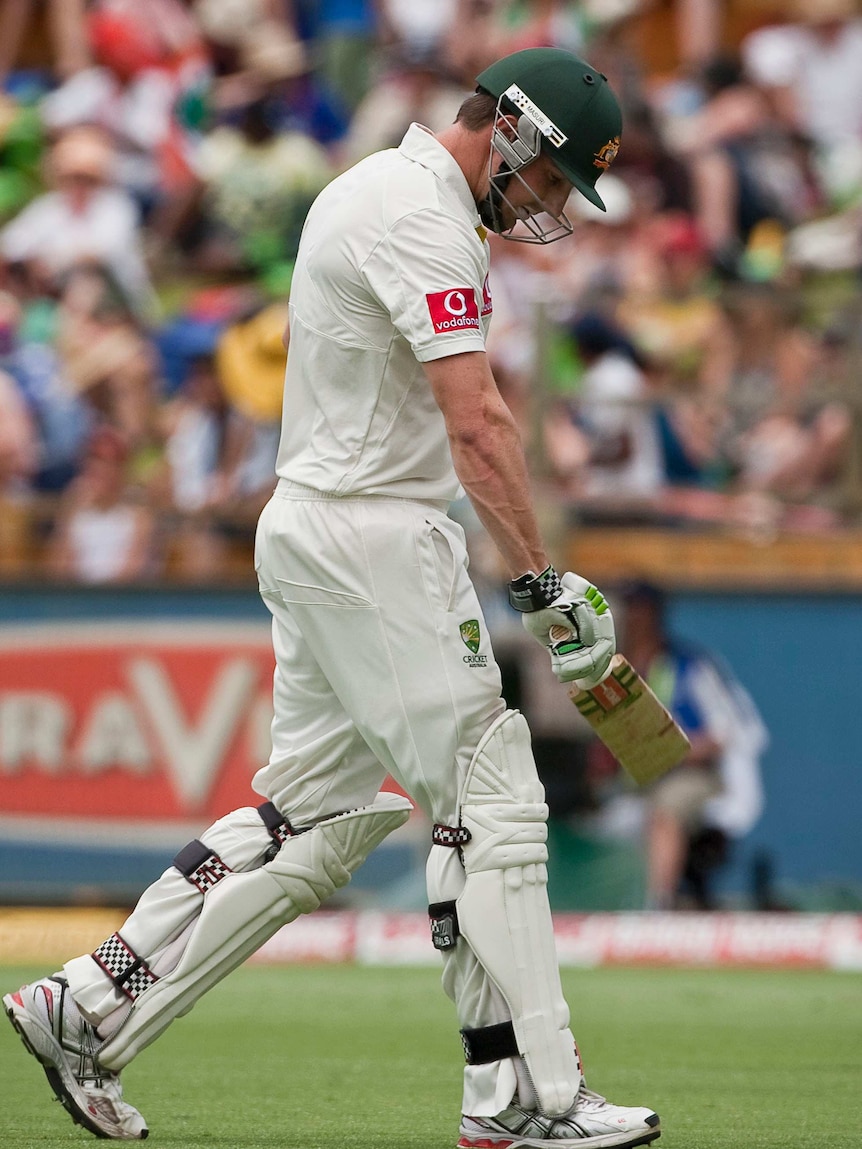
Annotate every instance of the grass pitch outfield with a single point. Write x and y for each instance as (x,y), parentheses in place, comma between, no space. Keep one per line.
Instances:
(357,1058)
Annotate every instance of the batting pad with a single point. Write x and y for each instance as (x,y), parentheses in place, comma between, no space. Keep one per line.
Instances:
(244,910)
(503,910)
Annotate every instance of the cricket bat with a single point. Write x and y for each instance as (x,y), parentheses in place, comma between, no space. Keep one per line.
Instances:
(637,729)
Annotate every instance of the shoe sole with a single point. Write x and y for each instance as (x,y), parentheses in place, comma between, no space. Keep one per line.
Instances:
(55,1074)
(607,1142)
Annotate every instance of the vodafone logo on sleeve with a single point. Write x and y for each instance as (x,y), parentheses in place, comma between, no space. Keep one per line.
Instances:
(453,310)
(487,301)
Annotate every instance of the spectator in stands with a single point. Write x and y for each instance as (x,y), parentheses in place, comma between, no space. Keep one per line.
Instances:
(745,166)
(85,218)
(103,533)
(275,65)
(781,435)
(415,88)
(250,360)
(545,23)
(418,26)
(150,67)
(676,324)
(255,176)
(617,465)
(615,250)
(811,67)
(222,118)
(18,439)
(59,417)
(194,427)
(66,30)
(695,810)
(344,33)
(21,147)
(224,24)
(473,40)
(107,357)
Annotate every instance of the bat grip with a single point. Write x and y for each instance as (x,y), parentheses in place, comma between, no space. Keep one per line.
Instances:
(565,639)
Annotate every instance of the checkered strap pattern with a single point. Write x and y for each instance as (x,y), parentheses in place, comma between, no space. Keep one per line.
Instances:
(453,836)
(201,866)
(278,826)
(535,592)
(127,971)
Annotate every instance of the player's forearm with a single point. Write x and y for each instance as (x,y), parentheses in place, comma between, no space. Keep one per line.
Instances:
(488,457)
(489,461)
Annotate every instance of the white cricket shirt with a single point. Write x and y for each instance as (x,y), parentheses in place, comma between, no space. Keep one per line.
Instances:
(392,272)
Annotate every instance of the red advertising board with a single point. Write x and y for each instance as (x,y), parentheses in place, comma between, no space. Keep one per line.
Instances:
(136,722)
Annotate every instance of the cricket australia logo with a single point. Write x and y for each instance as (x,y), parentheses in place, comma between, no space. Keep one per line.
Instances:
(606,154)
(471,636)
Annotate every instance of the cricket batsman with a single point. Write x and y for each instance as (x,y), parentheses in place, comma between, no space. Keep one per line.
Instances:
(383,662)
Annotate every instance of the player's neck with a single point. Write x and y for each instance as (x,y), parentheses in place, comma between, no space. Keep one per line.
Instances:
(470,152)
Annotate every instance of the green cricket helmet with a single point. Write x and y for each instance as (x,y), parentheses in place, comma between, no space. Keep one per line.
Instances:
(576,115)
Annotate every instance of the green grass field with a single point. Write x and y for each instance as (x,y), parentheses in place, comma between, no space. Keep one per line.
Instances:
(353,1058)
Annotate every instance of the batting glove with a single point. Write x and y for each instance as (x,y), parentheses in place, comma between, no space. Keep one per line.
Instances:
(571,618)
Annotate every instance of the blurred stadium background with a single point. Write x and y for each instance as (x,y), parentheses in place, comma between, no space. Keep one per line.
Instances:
(686,369)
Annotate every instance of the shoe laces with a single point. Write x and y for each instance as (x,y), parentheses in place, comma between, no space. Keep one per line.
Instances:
(589,1100)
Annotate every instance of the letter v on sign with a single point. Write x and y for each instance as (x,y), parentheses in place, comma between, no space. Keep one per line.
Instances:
(193,753)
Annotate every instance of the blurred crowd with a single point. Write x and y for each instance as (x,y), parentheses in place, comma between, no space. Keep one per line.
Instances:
(690,356)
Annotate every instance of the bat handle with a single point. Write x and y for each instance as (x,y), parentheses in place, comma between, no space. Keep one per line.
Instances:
(565,639)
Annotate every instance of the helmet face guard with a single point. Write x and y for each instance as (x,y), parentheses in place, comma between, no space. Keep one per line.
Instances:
(534,223)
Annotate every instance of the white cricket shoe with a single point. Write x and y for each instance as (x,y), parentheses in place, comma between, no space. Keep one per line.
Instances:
(591,1123)
(46,1017)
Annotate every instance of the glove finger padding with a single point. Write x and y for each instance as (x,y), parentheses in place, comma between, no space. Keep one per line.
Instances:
(585,619)
(588,668)
(589,665)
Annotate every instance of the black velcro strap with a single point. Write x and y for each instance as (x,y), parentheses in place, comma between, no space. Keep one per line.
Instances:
(127,971)
(490,1043)
(450,835)
(278,826)
(200,865)
(535,592)
(444,925)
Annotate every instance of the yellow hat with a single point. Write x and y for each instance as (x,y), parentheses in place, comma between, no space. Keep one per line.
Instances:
(250,359)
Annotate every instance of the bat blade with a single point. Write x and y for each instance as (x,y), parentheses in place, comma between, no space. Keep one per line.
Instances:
(637,729)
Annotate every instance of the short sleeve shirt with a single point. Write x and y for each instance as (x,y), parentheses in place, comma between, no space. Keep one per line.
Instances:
(392,272)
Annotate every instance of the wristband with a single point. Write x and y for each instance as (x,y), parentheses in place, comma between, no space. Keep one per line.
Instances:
(533,592)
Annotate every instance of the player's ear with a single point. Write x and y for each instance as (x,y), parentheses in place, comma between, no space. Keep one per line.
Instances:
(508,125)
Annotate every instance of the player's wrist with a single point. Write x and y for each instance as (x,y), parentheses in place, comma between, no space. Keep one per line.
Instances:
(531,592)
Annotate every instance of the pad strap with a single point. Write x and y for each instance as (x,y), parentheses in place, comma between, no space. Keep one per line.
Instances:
(201,866)
(453,836)
(444,925)
(278,826)
(129,973)
(489,1043)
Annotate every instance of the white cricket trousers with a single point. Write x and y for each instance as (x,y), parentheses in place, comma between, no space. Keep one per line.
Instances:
(383,664)
(368,597)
